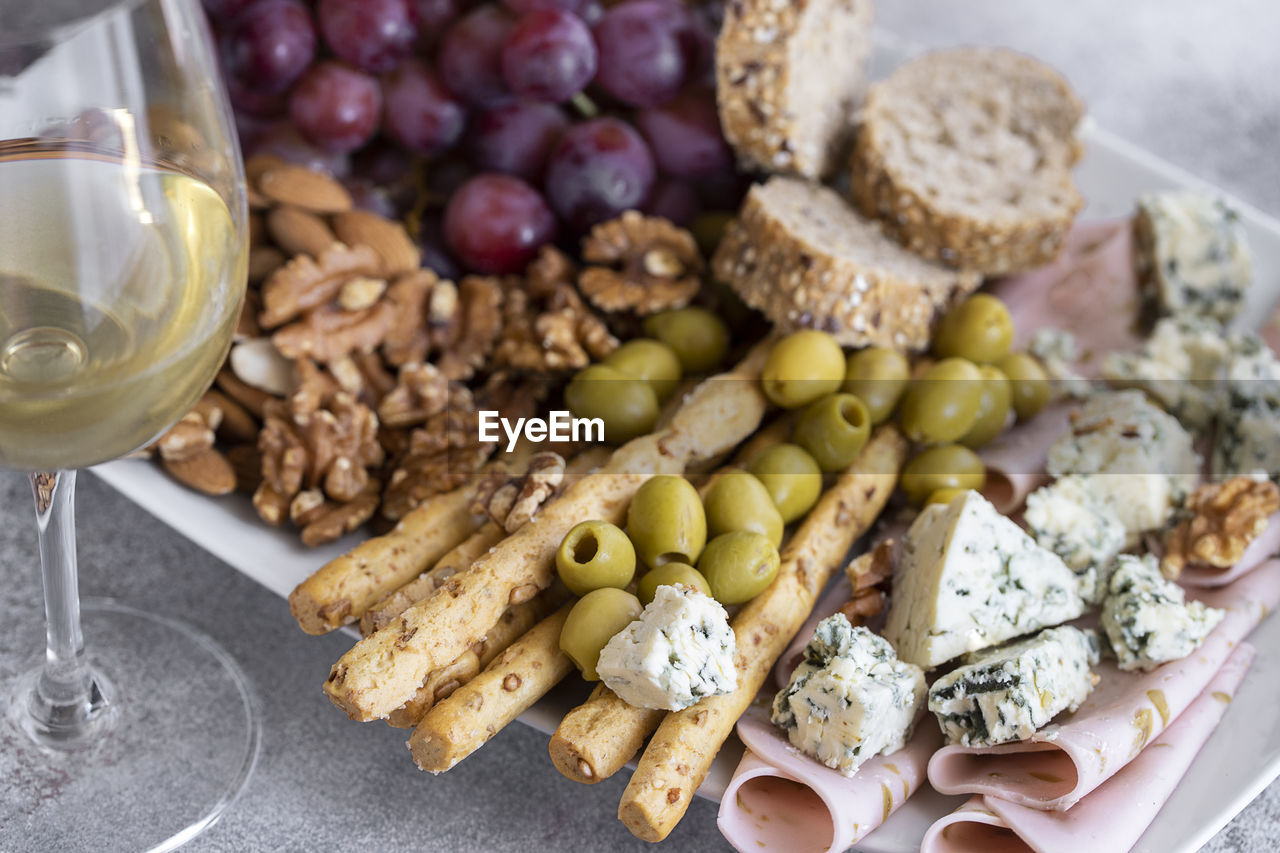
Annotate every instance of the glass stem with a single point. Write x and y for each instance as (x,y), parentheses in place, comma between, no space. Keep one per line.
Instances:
(66,704)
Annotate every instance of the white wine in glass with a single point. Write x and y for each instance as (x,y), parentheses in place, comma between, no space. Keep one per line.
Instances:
(122,272)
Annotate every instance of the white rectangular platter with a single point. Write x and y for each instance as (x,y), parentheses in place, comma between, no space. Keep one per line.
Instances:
(1239,761)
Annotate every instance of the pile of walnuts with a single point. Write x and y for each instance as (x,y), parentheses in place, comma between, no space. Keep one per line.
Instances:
(352,390)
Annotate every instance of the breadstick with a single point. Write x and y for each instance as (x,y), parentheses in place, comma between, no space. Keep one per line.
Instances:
(383,671)
(340,591)
(680,754)
(475,712)
(459,559)
(514,623)
(597,738)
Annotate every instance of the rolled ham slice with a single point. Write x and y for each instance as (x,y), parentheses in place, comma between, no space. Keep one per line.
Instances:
(1091,290)
(1266,546)
(781,799)
(1115,815)
(1015,461)
(1063,762)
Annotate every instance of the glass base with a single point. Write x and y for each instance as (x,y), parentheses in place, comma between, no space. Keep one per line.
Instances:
(174,748)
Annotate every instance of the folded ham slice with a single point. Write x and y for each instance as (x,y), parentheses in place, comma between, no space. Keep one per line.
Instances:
(1114,816)
(1091,290)
(1065,761)
(781,799)
(1255,554)
(1015,461)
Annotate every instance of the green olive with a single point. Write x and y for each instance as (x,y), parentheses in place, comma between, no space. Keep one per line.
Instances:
(708,230)
(942,405)
(834,430)
(792,477)
(738,501)
(947,466)
(666,522)
(667,575)
(944,496)
(802,367)
(650,360)
(595,554)
(700,339)
(739,566)
(1031,389)
(878,376)
(592,623)
(979,329)
(993,409)
(627,405)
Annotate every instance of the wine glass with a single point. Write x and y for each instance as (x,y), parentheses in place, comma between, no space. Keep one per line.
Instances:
(122,269)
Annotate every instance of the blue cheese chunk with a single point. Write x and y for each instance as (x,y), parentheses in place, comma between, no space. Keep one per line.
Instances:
(1148,619)
(1008,693)
(1248,439)
(1059,353)
(1192,255)
(850,699)
(1179,366)
(969,578)
(679,650)
(1068,519)
(1122,433)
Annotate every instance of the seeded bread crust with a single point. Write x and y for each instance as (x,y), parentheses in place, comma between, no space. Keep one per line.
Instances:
(964,155)
(790,75)
(798,253)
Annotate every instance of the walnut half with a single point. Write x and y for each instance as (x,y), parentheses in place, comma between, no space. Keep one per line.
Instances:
(1224,518)
(639,263)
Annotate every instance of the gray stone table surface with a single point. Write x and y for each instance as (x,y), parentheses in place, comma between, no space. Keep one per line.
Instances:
(1193,81)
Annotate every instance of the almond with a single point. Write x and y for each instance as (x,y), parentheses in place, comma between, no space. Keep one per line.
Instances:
(237,424)
(298,232)
(246,461)
(263,261)
(396,251)
(313,191)
(207,471)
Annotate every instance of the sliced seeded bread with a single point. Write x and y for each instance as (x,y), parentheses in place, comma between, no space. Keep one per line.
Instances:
(965,155)
(801,255)
(790,75)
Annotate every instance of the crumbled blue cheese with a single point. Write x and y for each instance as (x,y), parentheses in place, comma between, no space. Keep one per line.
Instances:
(1148,619)
(1192,255)
(1122,433)
(850,699)
(1248,439)
(1057,351)
(1006,694)
(1068,519)
(969,578)
(679,650)
(1179,366)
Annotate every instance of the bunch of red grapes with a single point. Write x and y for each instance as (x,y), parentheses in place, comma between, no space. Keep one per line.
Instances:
(532,120)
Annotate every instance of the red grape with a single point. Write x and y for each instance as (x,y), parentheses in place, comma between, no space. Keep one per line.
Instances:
(496,223)
(673,201)
(600,168)
(685,136)
(336,107)
(283,140)
(647,51)
(516,138)
(373,35)
(470,58)
(420,113)
(522,6)
(246,99)
(549,56)
(269,45)
(432,16)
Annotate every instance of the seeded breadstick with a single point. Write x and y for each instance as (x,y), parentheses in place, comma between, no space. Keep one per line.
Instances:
(459,559)
(340,591)
(517,619)
(461,724)
(383,671)
(680,754)
(597,738)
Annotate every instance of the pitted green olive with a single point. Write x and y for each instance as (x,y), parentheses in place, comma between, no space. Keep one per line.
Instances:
(666,521)
(669,575)
(739,566)
(593,555)
(627,405)
(792,477)
(993,409)
(700,339)
(650,360)
(802,367)
(591,624)
(1030,383)
(736,500)
(942,404)
(978,329)
(833,430)
(877,377)
(947,466)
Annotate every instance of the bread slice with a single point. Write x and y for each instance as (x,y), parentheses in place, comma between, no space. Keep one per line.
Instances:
(801,255)
(790,75)
(965,154)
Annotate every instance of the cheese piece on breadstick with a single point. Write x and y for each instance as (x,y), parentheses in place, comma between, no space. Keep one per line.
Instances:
(340,591)
(384,670)
(461,724)
(680,754)
(442,682)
